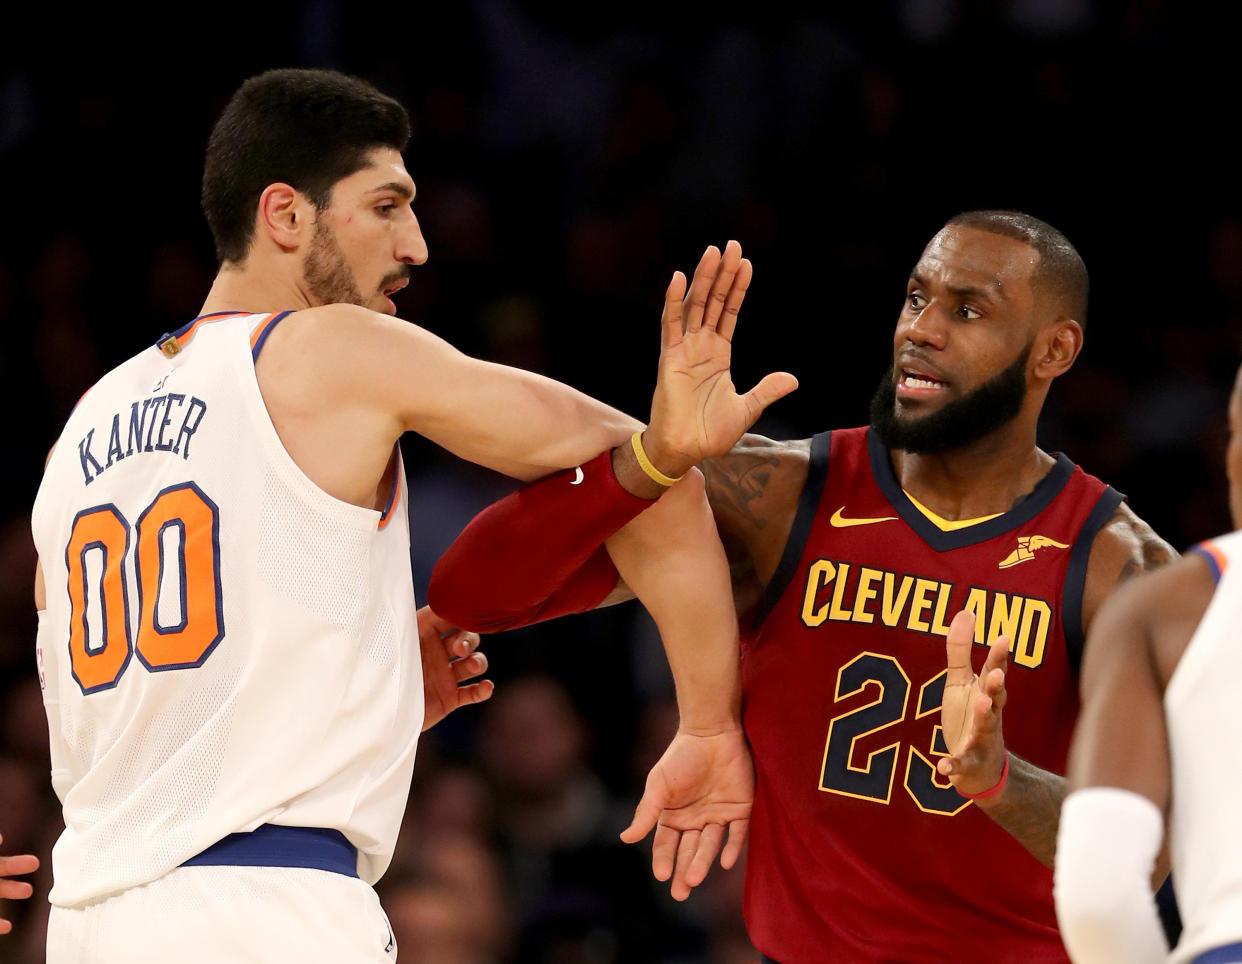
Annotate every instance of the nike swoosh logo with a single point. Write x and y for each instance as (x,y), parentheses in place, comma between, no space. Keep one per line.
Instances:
(841,522)
(578,476)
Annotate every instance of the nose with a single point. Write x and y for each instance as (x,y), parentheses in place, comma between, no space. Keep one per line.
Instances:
(411,245)
(928,328)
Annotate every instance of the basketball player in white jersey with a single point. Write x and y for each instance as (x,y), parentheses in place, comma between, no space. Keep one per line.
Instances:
(226,620)
(1158,752)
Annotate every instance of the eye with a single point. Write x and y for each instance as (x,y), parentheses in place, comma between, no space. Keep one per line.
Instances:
(915,301)
(385,209)
(968,313)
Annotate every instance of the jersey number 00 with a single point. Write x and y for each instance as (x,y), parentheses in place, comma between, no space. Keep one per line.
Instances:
(101,590)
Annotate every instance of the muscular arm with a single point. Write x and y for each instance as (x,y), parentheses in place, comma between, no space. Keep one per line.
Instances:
(1121,744)
(1029,808)
(754,492)
(342,384)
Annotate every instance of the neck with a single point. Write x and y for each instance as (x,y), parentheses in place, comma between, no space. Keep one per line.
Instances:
(254,288)
(984,478)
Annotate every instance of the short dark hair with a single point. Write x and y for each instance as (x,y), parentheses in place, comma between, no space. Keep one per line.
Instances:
(1061,272)
(306,128)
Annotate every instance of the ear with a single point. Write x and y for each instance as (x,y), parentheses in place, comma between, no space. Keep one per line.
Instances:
(285,216)
(1056,347)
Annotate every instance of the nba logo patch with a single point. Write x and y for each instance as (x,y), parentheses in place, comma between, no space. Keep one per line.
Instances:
(39,662)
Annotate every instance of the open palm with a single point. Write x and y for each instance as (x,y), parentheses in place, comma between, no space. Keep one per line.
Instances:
(701,788)
(696,412)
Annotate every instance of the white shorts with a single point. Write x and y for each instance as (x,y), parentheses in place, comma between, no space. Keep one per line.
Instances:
(228,915)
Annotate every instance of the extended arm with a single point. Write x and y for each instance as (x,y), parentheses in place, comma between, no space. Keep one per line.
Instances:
(547,539)
(1112,823)
(1027,804)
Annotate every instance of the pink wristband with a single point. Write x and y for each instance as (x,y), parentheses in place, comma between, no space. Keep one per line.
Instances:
(1000,785)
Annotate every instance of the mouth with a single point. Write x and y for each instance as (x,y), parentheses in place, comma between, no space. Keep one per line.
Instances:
(396,286)
(918,380)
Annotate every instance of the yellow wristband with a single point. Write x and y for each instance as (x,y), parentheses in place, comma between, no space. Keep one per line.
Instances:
(636,440)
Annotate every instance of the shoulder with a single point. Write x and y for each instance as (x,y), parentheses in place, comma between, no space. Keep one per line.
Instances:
(758,476)
(333,349)
(754,493)
(1125,547)
(351,327)
(1163,606)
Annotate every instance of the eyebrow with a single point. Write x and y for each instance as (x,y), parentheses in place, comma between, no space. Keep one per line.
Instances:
(396,187)
(965,291)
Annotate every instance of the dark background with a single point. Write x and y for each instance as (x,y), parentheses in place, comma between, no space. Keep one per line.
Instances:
(567,161)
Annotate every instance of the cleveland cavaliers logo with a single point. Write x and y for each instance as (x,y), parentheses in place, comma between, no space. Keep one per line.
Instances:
(1027,547)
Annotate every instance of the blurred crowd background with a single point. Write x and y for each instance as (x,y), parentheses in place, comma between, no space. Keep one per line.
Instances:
(567,160)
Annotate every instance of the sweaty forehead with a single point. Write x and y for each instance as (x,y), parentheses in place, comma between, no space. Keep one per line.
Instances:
(969,257)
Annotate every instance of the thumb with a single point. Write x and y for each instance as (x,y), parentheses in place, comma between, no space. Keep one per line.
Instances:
(773,387)
(646,815)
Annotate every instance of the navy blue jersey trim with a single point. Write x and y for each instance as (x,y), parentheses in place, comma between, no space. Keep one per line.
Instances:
(808,505)
(271,326)
(272,846)
(1076,574)
(1041,497)
(1228,954)
(1210,559)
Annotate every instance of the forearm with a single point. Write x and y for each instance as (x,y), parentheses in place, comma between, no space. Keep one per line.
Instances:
(1029,808)
(536,553)
(671,557)
(1108,841)
(528,425)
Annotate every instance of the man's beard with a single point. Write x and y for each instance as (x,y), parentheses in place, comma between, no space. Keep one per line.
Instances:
(960,422)
(326,274)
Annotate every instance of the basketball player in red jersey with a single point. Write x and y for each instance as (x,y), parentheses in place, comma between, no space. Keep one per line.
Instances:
(851,552)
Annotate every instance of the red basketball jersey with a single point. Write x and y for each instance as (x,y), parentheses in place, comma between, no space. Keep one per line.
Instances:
(859,851)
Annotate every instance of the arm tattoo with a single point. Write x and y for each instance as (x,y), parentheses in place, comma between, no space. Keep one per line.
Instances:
(1030,808)
(736,481)
(1129,570)
(1152,552)
(1156,552)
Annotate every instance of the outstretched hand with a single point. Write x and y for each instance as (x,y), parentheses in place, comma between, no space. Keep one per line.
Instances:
(449,661)
(696,412)
(701,787)
(970,712)
(15,889)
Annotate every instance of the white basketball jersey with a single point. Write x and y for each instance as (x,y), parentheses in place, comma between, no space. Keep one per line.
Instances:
(224,645)
(1205,742)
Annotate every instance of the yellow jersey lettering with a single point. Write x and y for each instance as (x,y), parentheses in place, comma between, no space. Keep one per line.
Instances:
(939,626)
(865,593)
(890,608)
(919,604)
(821,573)
(838,613)
(923,605)
(1006,611)
(1030,647)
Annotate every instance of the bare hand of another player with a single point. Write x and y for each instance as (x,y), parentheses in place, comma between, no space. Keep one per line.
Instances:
(696,412)
(15,889)
(449,660)
(970,713)
(698,788)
